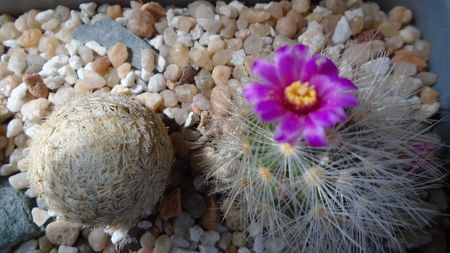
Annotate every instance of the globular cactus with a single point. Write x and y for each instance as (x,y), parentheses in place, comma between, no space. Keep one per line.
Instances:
(356,193)
(101,160)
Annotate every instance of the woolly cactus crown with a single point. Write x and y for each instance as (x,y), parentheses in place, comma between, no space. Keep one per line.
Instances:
(101,160)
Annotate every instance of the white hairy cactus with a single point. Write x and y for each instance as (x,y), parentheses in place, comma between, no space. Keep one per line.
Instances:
(357,194)
(101,160)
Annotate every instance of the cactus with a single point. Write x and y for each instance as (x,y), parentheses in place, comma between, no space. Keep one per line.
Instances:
(356,193)
(101,160)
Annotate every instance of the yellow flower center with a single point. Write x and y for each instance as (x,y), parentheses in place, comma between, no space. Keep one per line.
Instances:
(300,94)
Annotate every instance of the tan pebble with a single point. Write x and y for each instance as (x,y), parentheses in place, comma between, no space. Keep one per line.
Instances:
(410,57)
(114,11)
(228,27)
(172,72)
(356,24)
(186,23)
(401,15)
(275,9)
(179,54)
(123,70)
(62,232)
(118,54)
(301,6)
(220,99)
(40,216)
(155,9)
(48,45)
(255,16)
(35,85)
(209,220)
(141,23)
(300,21)
(329,23)
(286,26)
(201,57)
(389,28)
(429,95)
(97,239)
(369,35)
(45,246)
(231,249)
(148,59)
(152,100)
(101,65)
(30,38)
(336,6)
(221,74)
(171,205)
(120,90)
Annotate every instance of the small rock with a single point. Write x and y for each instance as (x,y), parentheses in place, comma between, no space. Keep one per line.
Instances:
(141,23)
(179,54)
(209,220)
(162,244)
(221,74)
(172,72)
(253,44)
(342,32)
(301,6)
(62,232)
(101,65)
(19,181)
(98,239)
(369,35)
(123,70)
(147,239)
(186,92)
(220,99)
(7,84)
(243,250)
(88,8)
(225,240)
(8,169)
(118,54)
(34,110)
(14,128)
(86,54)
(118,235)
(275,245)
(429,95)
(410,57)
(182,224)
(202,102)
(67,249)
(100,50)
(114,11)
(286,26)
(427,78)
(93,79)
(410,34)
(170,98)
(40,216)
(210,238)
(171,205)
(195,233)
(27,247)
(401,15)
(238,239)
(193,203)
(178,241)
(35,85)
(207,249)
(45,245)
(313,36)
(152,100)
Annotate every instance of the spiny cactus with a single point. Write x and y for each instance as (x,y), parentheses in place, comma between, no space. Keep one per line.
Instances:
(101,160)
(357,193)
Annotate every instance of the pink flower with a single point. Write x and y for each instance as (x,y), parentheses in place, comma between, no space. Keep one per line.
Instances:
(302,92)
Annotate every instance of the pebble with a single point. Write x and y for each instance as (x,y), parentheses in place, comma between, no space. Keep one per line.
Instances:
(14,128)
(98,239)
(238,239)
(8,169)
(100,50)
(207,249)
(178,241)
(151,100)
(62,232)
(403,56)
(221,74)
(118,54)
(17,61)
(427,78)
(118,235)
(313,36)
(162,244)
(141,23)
(210,238)
(129,80)
(286,26)
(401,15)
(243,250)
(185,92)
(172,72)
(253,44)
(179,54)
(193,203)
(202,102)
(410,34)
(114,11)
(86,54)
(144,225)
(45,245)
(19,181)
(274,245)
(343,31)
(220,99)
(429,95)
(147,239)
(92,79)
(40,216)
(35,85)
(27,247)
(123,70)
(301,6)
(182,224)
(67,249)
(225,240)
(195,233)
(30,38)
(156,83)
(100,66)
(88,8)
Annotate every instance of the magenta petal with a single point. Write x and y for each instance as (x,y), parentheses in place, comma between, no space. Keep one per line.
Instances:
(314,134)
(266,71)
(318,65)
(344,101)
(303,54)
(289,129)
(345,83)
(269,110)
(322,84)
(285,62)
(255,93)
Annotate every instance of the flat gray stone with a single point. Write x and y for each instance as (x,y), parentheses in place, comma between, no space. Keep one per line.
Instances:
(107,32)
(15,218)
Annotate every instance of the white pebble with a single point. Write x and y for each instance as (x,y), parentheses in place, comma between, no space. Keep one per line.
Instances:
(69,74)
(379,66)
(156,83)
(161,63)
(19,181)
(15,100)
(34,110)
(202,102)
(32,130)
(8,169)
(45,16)
(72,46)
(342,32)
(313,36)
(14,128)
(238,58)
(54,83)
(129,80)
(100,50)
(243,250)
(207,249)
(147,239)
(85,54)
(157,42)
(351,14)
(195,233)
(144,225)
(40,216)
(75,62)
(410,34)
(88,8)
(118,235)
(98,239)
